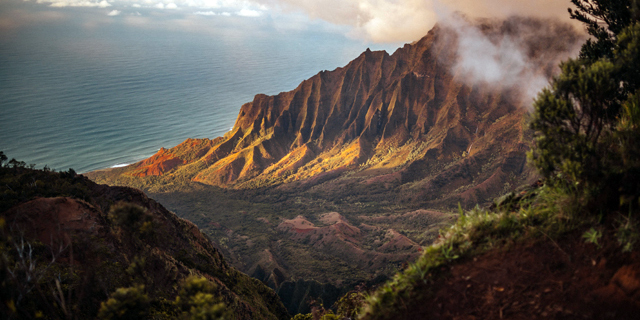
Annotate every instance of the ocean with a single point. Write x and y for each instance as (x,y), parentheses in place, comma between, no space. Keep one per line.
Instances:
(89,99)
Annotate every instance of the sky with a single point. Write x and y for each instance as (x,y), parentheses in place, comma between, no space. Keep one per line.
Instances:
(376,21)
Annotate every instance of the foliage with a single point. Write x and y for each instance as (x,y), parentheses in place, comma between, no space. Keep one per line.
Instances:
(350,305)
(197,301)
(604,20)
(301,316)
(126,303)
(587,122)
(20,183)
(628,233)
(592,236)
(134,219)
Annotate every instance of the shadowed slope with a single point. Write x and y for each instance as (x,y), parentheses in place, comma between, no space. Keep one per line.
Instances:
(72,242)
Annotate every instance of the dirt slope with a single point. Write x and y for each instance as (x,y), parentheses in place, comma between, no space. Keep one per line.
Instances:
(546,279)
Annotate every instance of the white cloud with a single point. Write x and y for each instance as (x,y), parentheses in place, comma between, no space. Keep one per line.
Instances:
(75,3)
(171,5)
(249,13)
(135,5)
(114,13)
(206,13)
(242,13)
(159,5)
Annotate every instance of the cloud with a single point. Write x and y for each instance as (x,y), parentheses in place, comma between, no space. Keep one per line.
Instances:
(249,13)
(114,13)
(518,53)
(75,3)
(206,13)
(382,21)
(408,20)
(242,13)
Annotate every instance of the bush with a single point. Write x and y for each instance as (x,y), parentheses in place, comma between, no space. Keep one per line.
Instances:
(197,301)
(125,303)
(135,220)
(587,122)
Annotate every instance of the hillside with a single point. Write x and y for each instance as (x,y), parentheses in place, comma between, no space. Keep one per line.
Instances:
(69,245)
(388,144)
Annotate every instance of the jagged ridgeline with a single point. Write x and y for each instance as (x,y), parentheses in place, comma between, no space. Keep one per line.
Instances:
(72,249)
(412,120)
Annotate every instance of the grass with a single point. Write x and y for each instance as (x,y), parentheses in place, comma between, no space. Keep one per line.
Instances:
(537,213)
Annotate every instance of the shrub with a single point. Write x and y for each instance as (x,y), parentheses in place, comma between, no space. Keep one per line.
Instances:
(135,220)
(197,301)
(125,303)
(587,122)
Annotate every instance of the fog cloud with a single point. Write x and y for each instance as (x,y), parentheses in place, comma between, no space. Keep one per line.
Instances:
(516,53)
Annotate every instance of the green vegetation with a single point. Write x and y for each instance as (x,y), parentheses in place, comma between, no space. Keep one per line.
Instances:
(539,213)
(19,183)
(197,300)
(126,303)
(587,122)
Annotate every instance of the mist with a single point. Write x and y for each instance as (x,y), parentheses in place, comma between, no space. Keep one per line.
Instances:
(519,54)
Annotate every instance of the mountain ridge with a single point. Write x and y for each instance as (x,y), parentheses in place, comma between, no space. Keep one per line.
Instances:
(380,113)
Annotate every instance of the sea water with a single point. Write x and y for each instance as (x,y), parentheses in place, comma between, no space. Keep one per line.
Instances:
(96,98)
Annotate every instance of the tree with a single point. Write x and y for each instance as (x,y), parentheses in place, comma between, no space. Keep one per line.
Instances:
(134,220)
(604,20)
(126,303)
(586,123)
(197,301)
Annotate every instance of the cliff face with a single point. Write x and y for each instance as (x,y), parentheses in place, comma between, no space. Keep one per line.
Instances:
(413,111)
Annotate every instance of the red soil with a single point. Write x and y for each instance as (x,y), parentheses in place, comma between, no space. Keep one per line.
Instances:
(52,220)
(564,279)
